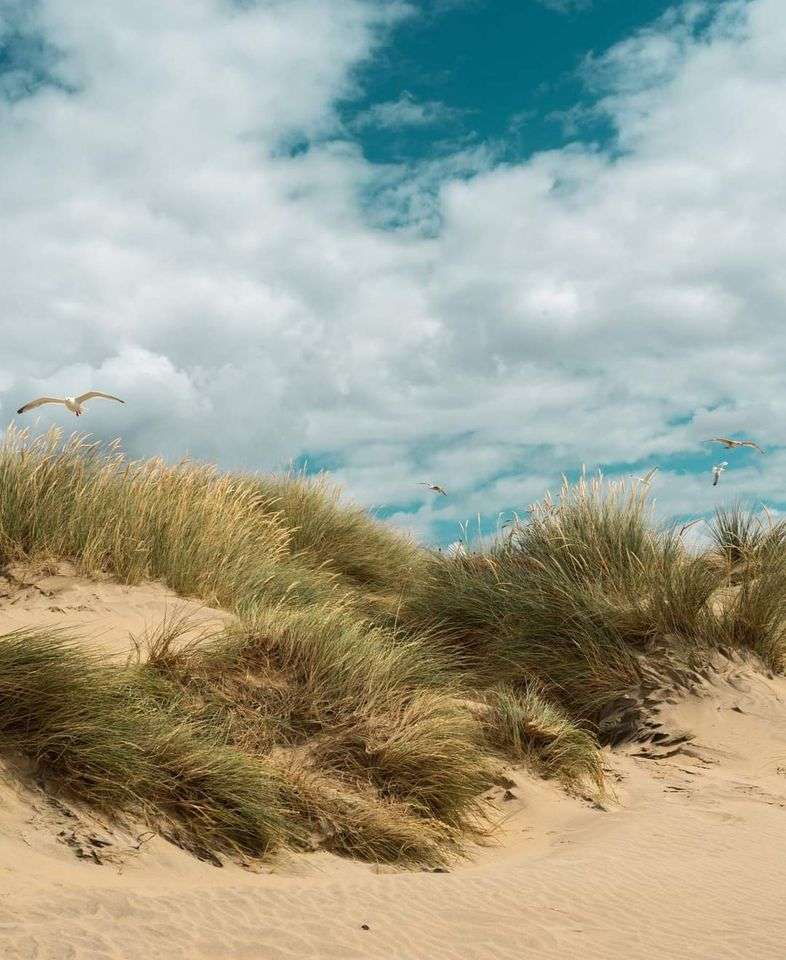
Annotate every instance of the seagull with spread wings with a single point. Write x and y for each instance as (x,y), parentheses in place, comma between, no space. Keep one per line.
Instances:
(74,404)
(717,470)
(647,478)
(732,444)
(433,486)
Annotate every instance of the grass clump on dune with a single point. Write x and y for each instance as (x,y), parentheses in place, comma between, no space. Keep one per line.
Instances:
(525,725)
(339,538)
(369,706)
(581,594)
(129,742)
(304,683)
(561,600)
(750,611)
(99,734)
(203,533)
(350,818)
(427,752)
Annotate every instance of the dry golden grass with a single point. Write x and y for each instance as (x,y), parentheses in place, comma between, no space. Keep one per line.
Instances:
(339,709)
(524,725)
(203,533)
(574,597)
(341,539)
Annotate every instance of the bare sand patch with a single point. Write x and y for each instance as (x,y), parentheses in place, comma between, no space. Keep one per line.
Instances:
(103,614)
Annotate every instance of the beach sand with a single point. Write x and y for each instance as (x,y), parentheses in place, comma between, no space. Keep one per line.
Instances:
(103,615)
(687,861)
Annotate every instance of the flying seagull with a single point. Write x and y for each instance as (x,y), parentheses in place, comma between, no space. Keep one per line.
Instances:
(74,404)
(432,486)
(731,444)
(647,478)
(717,470)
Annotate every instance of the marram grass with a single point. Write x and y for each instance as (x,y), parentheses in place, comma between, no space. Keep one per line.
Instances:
(369,691)
(100,734)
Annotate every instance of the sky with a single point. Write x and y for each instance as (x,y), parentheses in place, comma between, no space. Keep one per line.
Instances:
(478,242)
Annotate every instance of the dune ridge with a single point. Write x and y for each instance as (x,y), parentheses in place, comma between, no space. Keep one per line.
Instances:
(238,718)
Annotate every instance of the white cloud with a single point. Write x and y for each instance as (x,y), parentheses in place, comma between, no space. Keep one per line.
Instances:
(406,111)
(582,306)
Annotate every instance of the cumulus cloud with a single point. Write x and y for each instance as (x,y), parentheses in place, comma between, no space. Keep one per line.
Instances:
(163,237)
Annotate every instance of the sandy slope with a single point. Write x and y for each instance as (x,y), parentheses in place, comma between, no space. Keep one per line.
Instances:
(105,615)
(690,862)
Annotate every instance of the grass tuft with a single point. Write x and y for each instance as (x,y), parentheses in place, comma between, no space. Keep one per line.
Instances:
(524,725)
(100,735)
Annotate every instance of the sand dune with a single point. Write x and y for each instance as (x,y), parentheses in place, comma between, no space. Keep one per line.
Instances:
(107,616)
(688,861)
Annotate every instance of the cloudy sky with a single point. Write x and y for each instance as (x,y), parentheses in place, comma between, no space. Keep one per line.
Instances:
(482,242)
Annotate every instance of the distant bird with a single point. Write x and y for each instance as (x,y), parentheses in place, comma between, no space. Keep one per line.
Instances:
(432,486)
(731,444)
(74,404)
(717,470)
(647,478)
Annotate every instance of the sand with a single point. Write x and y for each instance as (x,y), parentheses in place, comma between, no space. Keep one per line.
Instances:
(107,617)
(689,861)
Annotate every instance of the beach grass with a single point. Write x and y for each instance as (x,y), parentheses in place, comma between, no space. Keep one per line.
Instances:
(368,691)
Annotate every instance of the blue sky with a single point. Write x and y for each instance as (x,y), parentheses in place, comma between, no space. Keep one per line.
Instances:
(512,78)
(473,242)
(499,73)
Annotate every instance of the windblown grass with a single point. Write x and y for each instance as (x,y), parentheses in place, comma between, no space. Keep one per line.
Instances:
(738,535)
(203,533)
(524,725)
(340,538)
(302,667)
(353,820)
(428,752)
(100,735)
(751,555)
(371,706)
(561,600)
(575,597)
(369,691)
